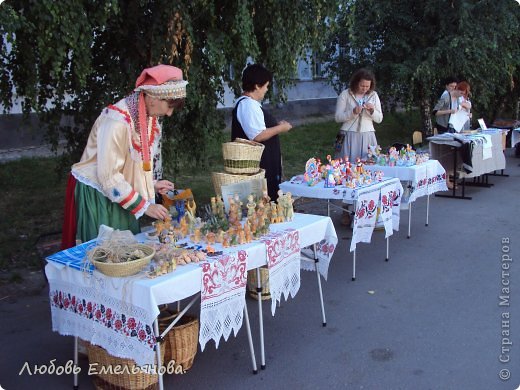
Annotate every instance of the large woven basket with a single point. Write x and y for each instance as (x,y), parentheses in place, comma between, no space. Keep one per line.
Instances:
(242,156)
(129,267)
(180,343)
(252,283)
(106,379)
(220,179)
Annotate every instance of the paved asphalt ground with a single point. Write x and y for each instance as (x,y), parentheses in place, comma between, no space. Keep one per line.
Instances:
(430,318)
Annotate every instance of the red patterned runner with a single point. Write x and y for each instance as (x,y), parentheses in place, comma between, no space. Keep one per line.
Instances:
(222,297)
(283,262)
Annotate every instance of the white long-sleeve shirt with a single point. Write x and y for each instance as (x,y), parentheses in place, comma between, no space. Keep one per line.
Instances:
(345,105)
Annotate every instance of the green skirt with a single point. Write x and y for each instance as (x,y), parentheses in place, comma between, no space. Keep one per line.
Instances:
(93,209)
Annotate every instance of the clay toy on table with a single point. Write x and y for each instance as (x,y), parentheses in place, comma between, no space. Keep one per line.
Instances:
(220,208)
(241,237)
(359,167)
(195,238)
(280,211)
(251,206)
(191,206)
(184,227)
(225,241)
(213,205)
(274,213)
(179,207)
(247,232)
(289,207)
(330,182)
(233,212)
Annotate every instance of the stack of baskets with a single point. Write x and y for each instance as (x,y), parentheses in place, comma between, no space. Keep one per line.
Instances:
(241,163)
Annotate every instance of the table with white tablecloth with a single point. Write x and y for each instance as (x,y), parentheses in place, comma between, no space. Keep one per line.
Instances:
(418,180)
(480,154)
(120,314)
(378,201)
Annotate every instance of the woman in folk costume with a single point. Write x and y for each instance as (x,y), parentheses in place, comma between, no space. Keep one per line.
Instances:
(114,183)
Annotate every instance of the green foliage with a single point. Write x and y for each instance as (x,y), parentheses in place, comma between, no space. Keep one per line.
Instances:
(67,63)
(413,45)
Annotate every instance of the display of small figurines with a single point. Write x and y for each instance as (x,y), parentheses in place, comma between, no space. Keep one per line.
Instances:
(421,158)
(167,258)
(405,157)
(217,207)
(283,211)
(312,173)
(340,172)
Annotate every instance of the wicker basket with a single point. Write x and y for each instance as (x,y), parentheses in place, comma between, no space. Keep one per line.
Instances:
(221,179)
(252,284)
(242,156)
(129,267)
(180,343)
(108,380)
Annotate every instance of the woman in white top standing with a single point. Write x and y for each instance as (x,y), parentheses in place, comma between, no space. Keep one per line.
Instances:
(464,102)
(251,121)
(358,107)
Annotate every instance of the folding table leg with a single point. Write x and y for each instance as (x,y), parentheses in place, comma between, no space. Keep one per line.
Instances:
(354,266)
(76,385)
(158,352)
(316,261)
(250,340)
(427,209)
(387,249)
(409,220)
(260,318)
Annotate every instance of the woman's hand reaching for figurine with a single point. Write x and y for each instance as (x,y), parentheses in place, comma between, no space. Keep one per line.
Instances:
(157,211)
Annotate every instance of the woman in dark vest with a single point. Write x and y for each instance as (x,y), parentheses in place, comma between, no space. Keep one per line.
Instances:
(251,121)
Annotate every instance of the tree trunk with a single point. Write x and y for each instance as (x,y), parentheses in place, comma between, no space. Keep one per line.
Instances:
(425,108)
(426,117)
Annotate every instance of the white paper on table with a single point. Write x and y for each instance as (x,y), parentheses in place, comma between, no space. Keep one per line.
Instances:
(243,189)
(458,120)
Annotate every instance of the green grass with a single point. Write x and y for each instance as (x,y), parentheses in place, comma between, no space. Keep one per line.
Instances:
(31,207)
(33,194)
